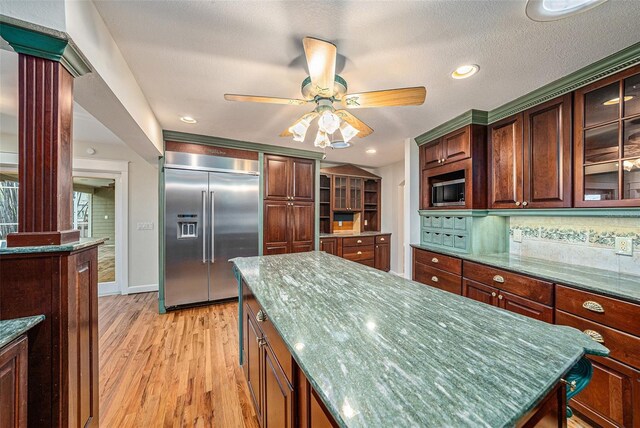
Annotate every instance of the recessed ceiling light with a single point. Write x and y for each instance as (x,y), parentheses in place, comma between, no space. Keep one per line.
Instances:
(188,119)
(465,71)
(552,10)
(371,151)
(616,100)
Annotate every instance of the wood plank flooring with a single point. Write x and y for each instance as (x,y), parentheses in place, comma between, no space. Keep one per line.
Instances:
(174,370)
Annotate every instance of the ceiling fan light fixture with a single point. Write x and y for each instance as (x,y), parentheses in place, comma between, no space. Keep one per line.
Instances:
(299,130)
(329,122)
(322,140)
(347,131)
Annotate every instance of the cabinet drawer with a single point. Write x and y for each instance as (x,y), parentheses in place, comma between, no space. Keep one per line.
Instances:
(383,239)
(534,289)
(426,221)
(624,347)
(358,241)
(447,240)
(438,278)
(439,261)
(447,222)
(427,237)
(437,238)
(436,222)
(460,223)
(368,262)
(358,253)
(614,313)
(460,242)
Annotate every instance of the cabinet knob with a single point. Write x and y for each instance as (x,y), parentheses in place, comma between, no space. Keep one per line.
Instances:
(381,239)
(500,297)
(261,341)
(359,241)
(594,335)
(434,278)
(439,160)
(593,306)
(377,246)
(443,160)
(525,203)
(435,260)
(359,252)
(498,278)
(261,316)
(493,294)
(517,203)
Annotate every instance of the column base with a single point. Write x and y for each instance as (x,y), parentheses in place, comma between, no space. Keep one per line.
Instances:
(35,239)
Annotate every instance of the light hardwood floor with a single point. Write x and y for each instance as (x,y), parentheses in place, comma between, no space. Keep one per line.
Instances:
(174,370)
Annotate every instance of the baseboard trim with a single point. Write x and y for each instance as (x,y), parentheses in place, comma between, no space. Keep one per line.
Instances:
(108,289)
(142,288)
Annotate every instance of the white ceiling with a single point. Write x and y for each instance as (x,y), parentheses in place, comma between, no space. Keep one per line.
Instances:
(85,127)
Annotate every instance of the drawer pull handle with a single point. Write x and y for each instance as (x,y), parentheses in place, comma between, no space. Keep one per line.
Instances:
(359,241)
(261,341)
(593,306)
(594,335)
(261,316)
(434,278)
(381,239)
(359,252)
(493,294)
(435,260)
(499,279)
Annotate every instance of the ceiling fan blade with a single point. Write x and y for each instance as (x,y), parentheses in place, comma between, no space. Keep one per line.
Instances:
(321,60)
(390,97)
(308,117)
(270,100)
(355,122)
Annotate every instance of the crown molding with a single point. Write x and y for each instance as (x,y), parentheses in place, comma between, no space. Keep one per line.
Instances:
(30,39)
(183,137)
(607,66)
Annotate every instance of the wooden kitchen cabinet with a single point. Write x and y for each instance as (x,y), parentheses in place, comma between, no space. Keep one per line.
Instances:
(450,148)
(289,211)
(382,257)
(347,193)
(437,271)
(252,338)
(530,158)
(278,393)
(329,245)
(13,384)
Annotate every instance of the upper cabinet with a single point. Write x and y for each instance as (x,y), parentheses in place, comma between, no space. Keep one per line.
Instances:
(607,134)
(530,158)
(450,148)
(288,178)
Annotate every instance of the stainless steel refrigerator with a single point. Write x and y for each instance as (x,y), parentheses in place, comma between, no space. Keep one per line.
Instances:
(211,216)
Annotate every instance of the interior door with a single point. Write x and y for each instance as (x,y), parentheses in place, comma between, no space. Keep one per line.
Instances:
(505,163)
(186,260)
(233,207)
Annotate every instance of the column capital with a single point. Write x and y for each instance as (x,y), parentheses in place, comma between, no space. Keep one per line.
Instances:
(30,39)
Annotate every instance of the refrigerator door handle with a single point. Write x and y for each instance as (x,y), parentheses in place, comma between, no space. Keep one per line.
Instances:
(204,226)
(213,194)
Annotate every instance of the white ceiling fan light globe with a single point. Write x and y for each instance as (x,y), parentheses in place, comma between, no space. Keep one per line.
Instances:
(329,122)
(299,130)
(347,131)
(322,140)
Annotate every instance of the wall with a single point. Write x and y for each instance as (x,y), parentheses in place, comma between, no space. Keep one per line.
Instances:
(392,221)
(411,198)
(585,241)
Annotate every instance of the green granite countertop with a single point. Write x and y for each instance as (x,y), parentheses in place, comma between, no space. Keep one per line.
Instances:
(10,329)
(348,235)
(383,351)
(600,281)
(72,246)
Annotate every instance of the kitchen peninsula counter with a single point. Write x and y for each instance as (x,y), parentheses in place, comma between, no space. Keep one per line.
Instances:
(380,350)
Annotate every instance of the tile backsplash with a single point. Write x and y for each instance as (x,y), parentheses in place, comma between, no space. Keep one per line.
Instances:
(586,241)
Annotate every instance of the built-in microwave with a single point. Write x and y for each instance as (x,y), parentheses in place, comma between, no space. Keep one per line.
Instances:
(448,193)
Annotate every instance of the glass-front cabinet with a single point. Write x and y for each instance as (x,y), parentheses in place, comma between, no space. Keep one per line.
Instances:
(355,194)
(347,193)
(607,126)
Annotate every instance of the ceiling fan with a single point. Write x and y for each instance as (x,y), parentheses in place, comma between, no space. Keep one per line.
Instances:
(324,87)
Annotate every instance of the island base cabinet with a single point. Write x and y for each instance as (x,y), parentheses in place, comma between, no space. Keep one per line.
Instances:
(13,384)
(252,360)
(549,413)
(278,406)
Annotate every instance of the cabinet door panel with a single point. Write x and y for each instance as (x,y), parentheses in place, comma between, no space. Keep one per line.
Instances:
(276,223)
(329,246)
(456,146)
(525,307)
(301,225)
(432,154)
(13,384)
(340,197)
(505,163)
(276,177)
(252,360)
(547,154)
(355,194)
(303,177)
(278,393)
(480,292)
(383,257)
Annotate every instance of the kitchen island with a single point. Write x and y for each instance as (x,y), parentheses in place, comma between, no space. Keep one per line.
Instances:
(377,350)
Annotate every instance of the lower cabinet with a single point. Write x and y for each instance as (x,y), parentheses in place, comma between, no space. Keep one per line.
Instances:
(382,257)
(370,250)
(329,245)
(278,393)
(13,384)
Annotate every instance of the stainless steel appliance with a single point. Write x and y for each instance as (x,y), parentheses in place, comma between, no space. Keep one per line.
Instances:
(211,215)
(448,193)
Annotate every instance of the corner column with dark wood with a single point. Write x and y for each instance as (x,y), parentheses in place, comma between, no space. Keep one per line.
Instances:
(46,270)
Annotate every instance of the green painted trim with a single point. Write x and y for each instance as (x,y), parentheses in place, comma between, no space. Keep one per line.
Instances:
(537,212)
(184,137)
(609,65)
(316,224)
(261,204)
(161,308)
(475,117)
(30,39)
